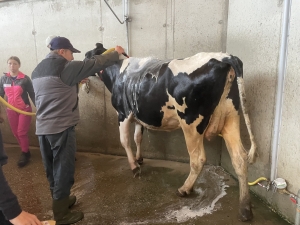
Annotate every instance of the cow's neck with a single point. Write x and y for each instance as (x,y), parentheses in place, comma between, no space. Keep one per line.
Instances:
(110,74)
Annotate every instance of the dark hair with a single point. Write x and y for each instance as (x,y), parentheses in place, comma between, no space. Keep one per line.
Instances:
(15,58)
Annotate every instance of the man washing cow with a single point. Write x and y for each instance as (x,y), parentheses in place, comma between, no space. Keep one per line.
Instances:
(200,94)
(55,82)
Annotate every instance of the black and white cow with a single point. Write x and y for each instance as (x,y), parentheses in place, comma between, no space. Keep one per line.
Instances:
(200,94)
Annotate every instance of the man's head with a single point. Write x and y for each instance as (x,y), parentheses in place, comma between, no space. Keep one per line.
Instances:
(49,39)
(63,47)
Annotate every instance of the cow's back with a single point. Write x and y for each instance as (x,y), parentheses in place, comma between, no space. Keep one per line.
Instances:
(160,93)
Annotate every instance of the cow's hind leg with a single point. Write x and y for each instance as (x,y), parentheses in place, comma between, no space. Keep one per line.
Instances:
(194,142)
(126,143)
(138,137)
(231,135)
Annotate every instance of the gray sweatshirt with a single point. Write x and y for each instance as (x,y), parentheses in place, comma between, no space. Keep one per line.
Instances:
(55,82)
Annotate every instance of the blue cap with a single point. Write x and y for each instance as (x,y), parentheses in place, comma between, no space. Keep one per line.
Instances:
(62,43)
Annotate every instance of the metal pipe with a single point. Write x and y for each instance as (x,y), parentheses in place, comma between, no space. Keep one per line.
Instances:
(280,86)
(127,37)
(297,218)
(125,19)
(114,12)
(124,9)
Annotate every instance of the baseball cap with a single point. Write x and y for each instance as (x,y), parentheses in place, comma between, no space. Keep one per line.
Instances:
(62,43)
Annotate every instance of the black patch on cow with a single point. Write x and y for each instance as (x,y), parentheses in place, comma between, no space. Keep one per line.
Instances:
(142,129)
(237,65)
(152,95)
(202,90)
(234,94)
(139,90)
(171,107)
(96,51)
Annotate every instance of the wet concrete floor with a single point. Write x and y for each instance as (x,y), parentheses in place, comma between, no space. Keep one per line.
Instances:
(108,194)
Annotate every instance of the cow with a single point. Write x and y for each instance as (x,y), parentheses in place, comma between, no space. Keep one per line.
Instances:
(200,94)
(96,51)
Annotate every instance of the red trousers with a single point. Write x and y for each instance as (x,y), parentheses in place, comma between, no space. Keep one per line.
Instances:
(20,124)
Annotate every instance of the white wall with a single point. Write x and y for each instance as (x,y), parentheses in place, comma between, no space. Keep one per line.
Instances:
(171,29)
(254,35)
(289,144)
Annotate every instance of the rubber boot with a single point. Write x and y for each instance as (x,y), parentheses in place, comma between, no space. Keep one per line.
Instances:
(62,214)
(72,199)
(24,159)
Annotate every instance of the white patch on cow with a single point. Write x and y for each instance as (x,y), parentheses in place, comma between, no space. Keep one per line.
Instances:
(170,120)
(143,61)
(190,64)
(124,65)
(121,57)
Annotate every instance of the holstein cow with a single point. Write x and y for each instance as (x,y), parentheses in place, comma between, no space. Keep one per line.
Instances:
(200,94)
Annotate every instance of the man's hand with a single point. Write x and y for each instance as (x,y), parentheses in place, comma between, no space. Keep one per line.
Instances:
(26,219)
(85,80)
(119,49)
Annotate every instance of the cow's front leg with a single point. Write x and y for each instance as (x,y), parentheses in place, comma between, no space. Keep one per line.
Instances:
(194,142)
(138,137)
(124,129)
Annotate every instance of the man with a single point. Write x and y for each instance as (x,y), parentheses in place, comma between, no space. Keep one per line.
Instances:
(10,210)
(55,82)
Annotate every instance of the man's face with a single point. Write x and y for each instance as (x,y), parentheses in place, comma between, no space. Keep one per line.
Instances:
(67,54)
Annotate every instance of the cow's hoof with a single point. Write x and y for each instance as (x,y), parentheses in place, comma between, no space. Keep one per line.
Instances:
(181,194)
(136,171)
(245,214)
(140,160)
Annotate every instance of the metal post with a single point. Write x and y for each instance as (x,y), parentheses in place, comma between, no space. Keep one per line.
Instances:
(280,85)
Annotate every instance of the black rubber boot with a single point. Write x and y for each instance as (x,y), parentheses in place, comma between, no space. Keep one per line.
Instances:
(62,214)
(24,159)
(72,200)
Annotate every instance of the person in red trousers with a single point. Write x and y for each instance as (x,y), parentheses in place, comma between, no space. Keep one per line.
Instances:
(17,86)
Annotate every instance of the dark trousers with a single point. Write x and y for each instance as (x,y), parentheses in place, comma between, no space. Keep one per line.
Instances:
(58,153)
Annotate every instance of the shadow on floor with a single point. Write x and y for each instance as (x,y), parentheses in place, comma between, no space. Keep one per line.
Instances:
(108,194)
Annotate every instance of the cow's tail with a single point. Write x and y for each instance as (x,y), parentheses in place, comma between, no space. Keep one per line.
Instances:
(237,65)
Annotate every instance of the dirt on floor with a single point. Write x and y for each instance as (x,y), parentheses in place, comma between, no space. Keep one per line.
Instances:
(107,193)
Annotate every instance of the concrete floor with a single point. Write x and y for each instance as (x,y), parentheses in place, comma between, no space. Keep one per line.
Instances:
(108,194)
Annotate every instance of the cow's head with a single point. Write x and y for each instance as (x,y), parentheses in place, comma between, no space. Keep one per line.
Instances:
(96,51)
